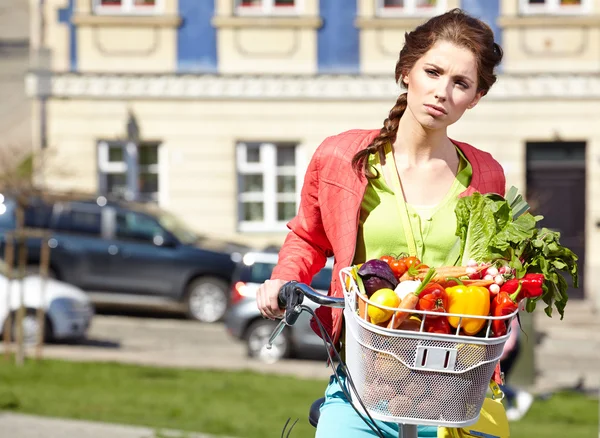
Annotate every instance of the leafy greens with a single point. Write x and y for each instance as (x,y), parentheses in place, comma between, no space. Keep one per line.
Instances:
(490,228)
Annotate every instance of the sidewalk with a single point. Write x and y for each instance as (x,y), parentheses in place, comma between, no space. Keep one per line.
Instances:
(29,426)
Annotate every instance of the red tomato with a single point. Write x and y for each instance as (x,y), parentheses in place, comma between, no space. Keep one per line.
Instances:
(411,261)
(398,268)
(433,299)
(388,259)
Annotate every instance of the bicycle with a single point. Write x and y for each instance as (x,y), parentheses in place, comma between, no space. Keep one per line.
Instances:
(462,366)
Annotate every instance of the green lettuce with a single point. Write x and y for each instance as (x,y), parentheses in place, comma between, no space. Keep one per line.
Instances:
(490,227)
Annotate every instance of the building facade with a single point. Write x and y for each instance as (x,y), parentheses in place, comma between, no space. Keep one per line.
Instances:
(212,108)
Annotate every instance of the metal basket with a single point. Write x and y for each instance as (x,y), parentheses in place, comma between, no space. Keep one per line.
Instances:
(415,377)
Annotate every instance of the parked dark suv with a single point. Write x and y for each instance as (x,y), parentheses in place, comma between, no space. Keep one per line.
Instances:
(130,254)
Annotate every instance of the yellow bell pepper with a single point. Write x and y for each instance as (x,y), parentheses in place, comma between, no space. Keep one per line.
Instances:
(468,300)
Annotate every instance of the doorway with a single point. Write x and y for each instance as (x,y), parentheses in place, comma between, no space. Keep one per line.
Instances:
(556,175)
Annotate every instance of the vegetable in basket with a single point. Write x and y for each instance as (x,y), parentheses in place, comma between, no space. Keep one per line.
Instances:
(375,275)
(491,228)
(504,304)
(530,286)
(468,300)
(433,299)
(410,302)
(437,325)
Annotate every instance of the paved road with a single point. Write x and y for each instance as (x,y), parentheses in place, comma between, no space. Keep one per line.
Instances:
(173,343)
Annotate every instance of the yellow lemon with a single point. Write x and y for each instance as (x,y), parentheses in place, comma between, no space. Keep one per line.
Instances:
(384,297)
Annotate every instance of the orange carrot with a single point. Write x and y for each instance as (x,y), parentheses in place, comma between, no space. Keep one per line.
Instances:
(408,304)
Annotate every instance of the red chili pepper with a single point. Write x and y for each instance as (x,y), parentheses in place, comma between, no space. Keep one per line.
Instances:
(433,299)
(437,325)
(504,304)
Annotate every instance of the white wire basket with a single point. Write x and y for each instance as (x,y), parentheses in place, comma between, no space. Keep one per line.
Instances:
(416,377)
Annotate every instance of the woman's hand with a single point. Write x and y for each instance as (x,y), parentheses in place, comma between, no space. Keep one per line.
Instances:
(266,299)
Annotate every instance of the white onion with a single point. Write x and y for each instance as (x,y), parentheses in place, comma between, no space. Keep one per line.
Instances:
(406,287)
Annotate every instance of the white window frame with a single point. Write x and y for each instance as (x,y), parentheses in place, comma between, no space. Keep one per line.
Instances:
(107,167)
(553,7)
(128,8)
(410,9)
(151,168)
(267,166)
(268,8)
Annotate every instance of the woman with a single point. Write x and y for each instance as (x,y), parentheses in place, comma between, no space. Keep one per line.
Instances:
(359,182)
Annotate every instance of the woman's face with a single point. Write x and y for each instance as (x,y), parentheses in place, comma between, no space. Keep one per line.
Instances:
(442,85)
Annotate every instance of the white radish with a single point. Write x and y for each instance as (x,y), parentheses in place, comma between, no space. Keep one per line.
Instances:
(499,279)
(488,277)
(504,270)
(494,288)
(493,271)
(406,287)
(472,263)
(471,270)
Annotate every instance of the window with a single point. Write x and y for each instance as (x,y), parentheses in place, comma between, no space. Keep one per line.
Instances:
(267,7)
(38,214)
(391,8)
(268,182)
(80,220)
(115,7)
(137,226)
(555,6)
(128,171)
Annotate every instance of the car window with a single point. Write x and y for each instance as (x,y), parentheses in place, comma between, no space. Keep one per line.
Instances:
(7,214)
(259,272)
(38,215)
(77,220)
(136,226)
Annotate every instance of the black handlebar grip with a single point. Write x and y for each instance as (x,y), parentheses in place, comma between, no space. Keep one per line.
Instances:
(285,293)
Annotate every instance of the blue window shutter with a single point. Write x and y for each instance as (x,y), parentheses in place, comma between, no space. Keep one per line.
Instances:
(338,38)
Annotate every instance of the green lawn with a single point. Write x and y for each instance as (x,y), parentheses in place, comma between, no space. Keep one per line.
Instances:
(240,404)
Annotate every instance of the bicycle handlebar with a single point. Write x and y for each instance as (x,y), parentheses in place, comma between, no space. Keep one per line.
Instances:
(291,294)
(290,298)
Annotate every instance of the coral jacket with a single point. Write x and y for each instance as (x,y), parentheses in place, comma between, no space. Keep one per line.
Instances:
(328,216)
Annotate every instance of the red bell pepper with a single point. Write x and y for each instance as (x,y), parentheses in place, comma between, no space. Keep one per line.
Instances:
(437,325)
(531,286)
(504,304)
(433,299)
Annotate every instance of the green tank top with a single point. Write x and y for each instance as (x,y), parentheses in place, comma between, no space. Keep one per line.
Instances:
(380,230)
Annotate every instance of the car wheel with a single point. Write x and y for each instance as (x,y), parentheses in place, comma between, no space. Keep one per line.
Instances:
(258,335)
(206,299)
(31,328)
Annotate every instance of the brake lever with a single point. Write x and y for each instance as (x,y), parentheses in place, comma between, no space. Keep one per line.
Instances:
(291,300)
